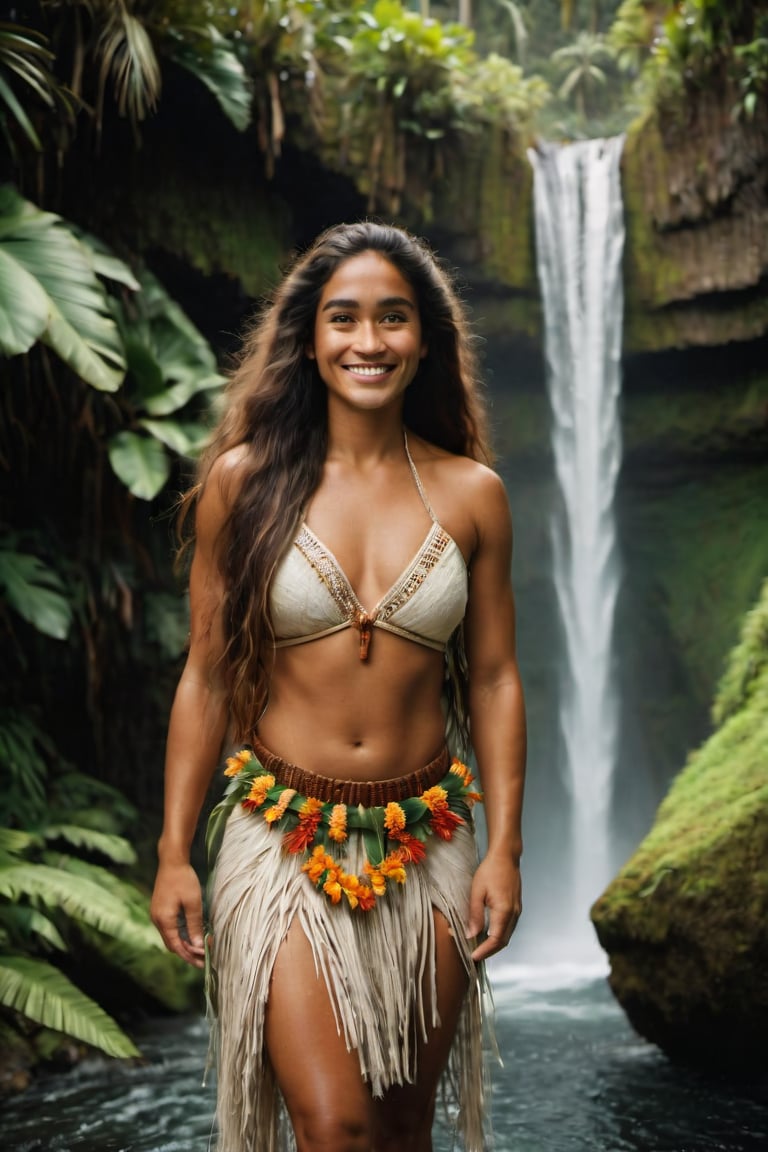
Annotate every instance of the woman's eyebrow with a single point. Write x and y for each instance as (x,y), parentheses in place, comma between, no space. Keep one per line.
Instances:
(387,302)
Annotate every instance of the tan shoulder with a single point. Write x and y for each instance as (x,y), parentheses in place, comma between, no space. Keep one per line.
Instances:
(220,489)
(226,474)
(477,481)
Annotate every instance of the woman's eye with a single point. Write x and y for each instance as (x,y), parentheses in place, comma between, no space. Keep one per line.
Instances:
(341,318)
(394,318)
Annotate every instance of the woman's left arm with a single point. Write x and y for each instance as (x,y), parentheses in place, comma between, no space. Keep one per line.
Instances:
(497,720)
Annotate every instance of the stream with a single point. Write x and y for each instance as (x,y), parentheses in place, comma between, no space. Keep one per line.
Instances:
(575,1076)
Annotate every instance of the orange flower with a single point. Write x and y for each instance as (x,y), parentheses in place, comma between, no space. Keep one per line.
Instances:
(413,850)
(237,762)
(350,886)
(317,864)
(394,818)
(277,810)
(366,897)
(337,825)
(332,888)
(435,798)
(310,815)
(393,867)
(444,823)
(461,770)
(378,883)
(258,792)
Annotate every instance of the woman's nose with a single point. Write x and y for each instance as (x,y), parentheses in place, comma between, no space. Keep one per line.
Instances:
(368,338)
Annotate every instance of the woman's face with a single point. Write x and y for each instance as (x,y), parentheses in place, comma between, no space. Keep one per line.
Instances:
(367,338)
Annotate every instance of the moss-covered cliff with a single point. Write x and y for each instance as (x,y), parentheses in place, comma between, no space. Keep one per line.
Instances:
(685,923)
(695,180)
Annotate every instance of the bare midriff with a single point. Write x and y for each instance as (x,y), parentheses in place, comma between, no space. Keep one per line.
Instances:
(335,715)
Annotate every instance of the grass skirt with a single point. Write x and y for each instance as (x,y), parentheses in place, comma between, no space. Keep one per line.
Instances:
(373,964)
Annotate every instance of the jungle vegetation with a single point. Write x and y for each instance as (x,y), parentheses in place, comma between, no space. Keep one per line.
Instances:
(107,383)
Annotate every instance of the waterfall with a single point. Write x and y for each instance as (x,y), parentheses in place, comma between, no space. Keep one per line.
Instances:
(579,238)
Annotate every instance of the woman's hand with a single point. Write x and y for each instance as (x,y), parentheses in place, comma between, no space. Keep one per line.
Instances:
(496,903)
(177,910)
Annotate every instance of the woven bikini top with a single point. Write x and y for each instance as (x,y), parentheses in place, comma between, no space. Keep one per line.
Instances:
(311,597)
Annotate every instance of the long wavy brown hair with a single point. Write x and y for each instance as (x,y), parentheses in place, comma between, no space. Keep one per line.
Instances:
(275,406)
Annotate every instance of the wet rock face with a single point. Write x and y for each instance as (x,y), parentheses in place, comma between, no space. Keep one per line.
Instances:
(685,923)
(695,181)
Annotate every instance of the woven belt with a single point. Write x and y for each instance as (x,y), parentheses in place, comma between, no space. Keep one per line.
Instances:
(369,793)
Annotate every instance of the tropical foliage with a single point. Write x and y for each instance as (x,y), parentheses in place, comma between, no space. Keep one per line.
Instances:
(104,387)
(682,47)
(581,61)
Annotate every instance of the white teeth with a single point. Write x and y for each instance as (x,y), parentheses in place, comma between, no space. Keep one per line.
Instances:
(368,369)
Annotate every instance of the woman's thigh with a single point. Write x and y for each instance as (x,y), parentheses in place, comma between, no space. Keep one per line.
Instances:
(328,1101)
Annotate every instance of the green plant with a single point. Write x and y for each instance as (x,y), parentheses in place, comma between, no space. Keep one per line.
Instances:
(26,72)
(581,61)
(50,291)
(170,366)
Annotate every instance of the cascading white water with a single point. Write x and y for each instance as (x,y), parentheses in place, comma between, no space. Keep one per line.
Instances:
(579,240)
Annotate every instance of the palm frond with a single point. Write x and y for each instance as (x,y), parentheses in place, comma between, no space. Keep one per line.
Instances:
(126,53)
(26,58)
(42,993)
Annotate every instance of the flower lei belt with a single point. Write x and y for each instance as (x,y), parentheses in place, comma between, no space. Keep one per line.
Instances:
(394,836)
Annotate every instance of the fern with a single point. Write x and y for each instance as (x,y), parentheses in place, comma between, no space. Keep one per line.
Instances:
(42,993)
(115,848)
(80,898)
(19,924)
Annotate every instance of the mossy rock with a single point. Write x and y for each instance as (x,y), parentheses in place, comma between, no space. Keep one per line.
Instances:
(685,923)
(696,210)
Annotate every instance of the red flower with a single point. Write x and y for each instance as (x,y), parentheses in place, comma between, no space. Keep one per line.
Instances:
(310,815)
(444,823)
(412,849)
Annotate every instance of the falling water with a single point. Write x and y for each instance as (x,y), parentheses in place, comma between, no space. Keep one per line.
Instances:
(580,238)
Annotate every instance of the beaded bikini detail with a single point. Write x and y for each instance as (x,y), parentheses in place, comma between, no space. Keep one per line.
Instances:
(305,609)
(330,572)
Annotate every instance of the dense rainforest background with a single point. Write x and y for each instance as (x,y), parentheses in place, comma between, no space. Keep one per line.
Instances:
(159,164)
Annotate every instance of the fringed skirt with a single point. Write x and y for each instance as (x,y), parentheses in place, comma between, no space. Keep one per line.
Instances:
(363,883)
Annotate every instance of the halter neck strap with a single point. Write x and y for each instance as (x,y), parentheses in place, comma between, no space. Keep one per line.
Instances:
(417,479)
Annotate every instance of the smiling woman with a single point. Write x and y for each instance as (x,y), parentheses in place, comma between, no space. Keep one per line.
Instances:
(350,918)
(367,335)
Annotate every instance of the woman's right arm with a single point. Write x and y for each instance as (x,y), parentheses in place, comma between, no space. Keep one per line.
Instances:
(196,732)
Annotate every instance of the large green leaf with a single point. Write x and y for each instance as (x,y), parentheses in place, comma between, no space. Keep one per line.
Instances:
(23,307)
(186,438)
(42,993)
(49,291)
(35,591)
(210,57)
(180,394)
(140,462)
(78,897)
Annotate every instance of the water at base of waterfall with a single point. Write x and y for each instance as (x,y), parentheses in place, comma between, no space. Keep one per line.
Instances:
(575,1077)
